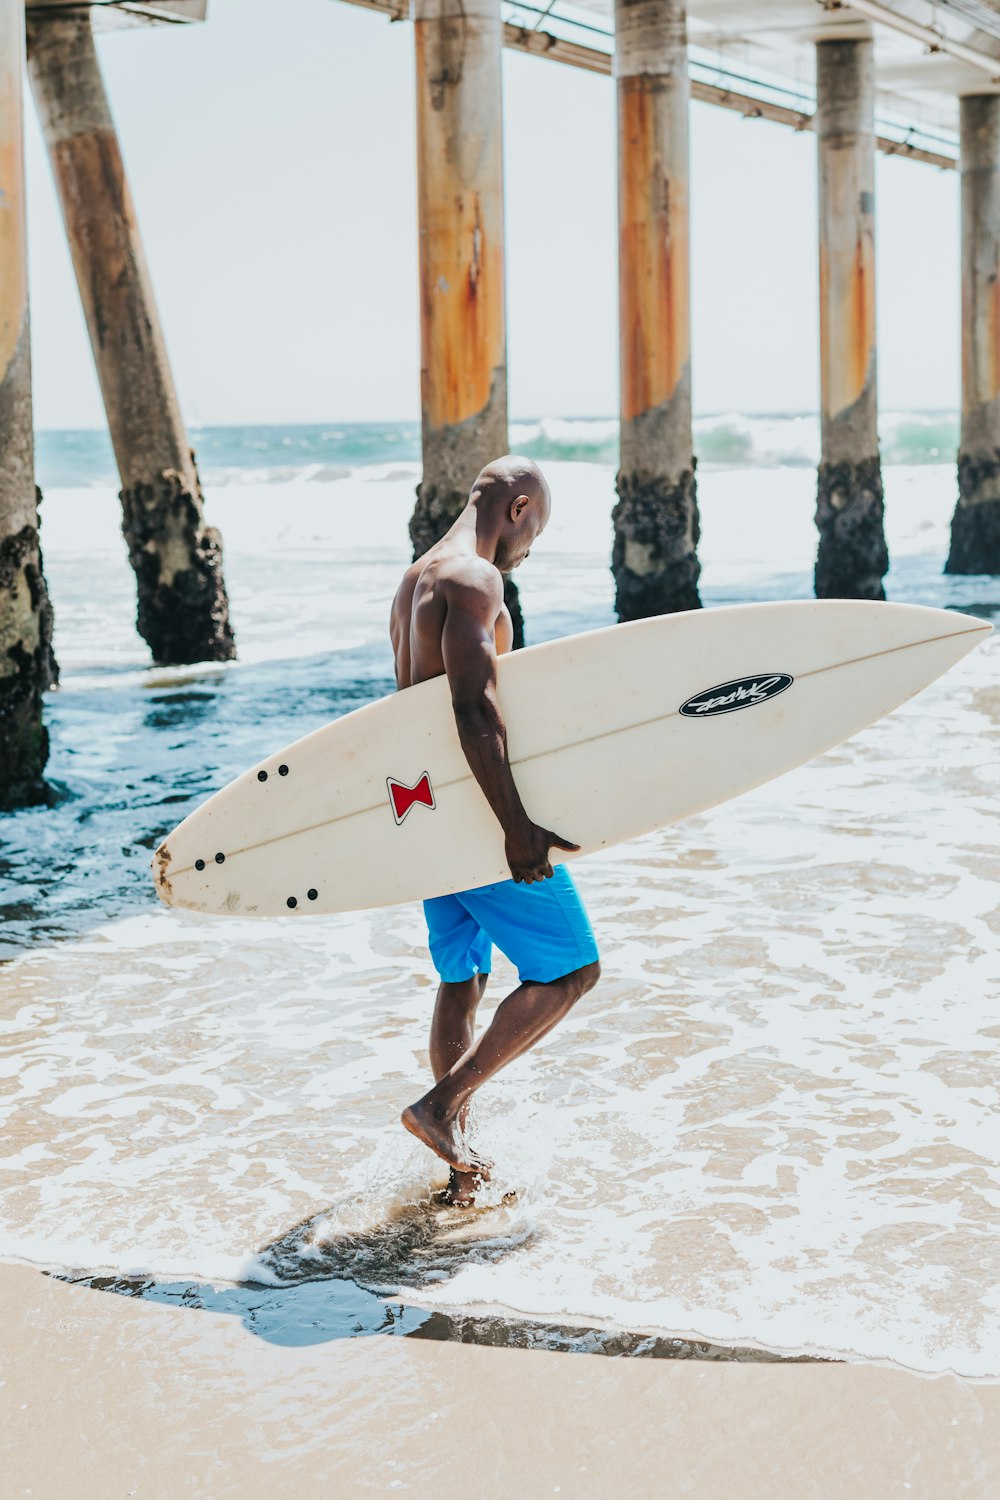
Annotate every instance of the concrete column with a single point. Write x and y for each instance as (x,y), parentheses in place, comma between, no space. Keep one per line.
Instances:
(183,611)
(975,526)
(463,353)
(654,560)
(852,557)
(26,664)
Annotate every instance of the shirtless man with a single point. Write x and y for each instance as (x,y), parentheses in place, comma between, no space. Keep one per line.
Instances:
(448,617)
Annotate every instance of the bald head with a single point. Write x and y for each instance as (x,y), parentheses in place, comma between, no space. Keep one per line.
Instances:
(512,497)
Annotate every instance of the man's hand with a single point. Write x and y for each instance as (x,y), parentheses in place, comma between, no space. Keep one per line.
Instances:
(528,852)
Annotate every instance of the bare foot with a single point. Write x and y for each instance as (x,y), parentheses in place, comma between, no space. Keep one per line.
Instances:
(463,1187)
(442,1137)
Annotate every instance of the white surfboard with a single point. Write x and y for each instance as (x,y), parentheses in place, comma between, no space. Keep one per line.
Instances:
(611,734)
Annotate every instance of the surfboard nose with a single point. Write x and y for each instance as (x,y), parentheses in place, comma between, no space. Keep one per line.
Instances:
(961,622)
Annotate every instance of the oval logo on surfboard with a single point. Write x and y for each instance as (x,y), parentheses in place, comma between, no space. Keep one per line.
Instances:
(741,692)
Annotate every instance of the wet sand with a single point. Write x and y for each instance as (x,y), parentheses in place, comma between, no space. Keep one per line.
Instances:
(107,1396)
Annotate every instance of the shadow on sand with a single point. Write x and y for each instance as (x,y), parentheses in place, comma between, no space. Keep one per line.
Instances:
(316,1295)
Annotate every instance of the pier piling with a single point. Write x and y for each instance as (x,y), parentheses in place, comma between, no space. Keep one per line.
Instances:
(654,560)
(463,376)
(183,611)
(852,557)
(975,526)
(27,666)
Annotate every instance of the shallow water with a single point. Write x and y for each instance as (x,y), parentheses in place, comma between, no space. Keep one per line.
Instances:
(774,1123)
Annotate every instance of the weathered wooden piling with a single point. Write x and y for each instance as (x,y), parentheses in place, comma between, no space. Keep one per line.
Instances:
(183,611)
(27,666)
(852,557)
(975,526)
(655,559)
(463,342)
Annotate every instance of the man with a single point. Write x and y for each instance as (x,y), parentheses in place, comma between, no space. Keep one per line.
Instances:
(448,617)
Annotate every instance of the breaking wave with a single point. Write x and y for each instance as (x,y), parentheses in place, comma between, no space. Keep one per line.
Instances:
(330,452)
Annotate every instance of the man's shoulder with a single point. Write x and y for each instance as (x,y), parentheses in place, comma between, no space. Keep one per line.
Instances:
(466,578)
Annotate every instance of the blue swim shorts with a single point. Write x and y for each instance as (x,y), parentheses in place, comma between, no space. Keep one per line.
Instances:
(543,929)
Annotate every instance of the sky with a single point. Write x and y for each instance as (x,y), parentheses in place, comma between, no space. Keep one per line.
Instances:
(271,155)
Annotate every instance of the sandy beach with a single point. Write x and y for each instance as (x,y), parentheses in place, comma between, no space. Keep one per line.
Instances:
(105,1397)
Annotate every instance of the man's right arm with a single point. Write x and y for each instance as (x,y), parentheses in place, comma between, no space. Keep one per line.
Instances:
(474,595)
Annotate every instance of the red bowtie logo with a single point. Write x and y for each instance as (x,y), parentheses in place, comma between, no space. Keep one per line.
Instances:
(402,797)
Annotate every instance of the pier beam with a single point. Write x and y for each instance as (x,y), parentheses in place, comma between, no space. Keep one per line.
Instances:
(975,526)
(852,558)
(654,559)
(463,341)
(183,611)
(27,667)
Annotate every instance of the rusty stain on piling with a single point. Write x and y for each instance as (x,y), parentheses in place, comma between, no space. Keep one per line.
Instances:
(114,289)
(846,149)
(79,165)
(654,270)
(846,324)
(463,357)
(980,168)
(975,526)
(654,556)
(14,282)
(865,305)
(852,558)
(461,226)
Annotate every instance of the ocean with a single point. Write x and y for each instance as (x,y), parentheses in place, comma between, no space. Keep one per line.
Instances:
(773,1125)
(332,451)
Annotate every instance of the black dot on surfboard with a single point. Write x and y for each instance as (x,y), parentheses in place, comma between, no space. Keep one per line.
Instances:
(261,775)
(199,864)
(282,770)
(292,901)
(220,859)
(312,894)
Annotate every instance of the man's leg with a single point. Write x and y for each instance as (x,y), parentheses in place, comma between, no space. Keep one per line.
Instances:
(453,1023)
(520,1021)
(452,1033)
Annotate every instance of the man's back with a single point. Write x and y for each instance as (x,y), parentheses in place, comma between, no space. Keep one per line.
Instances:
(419,609)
